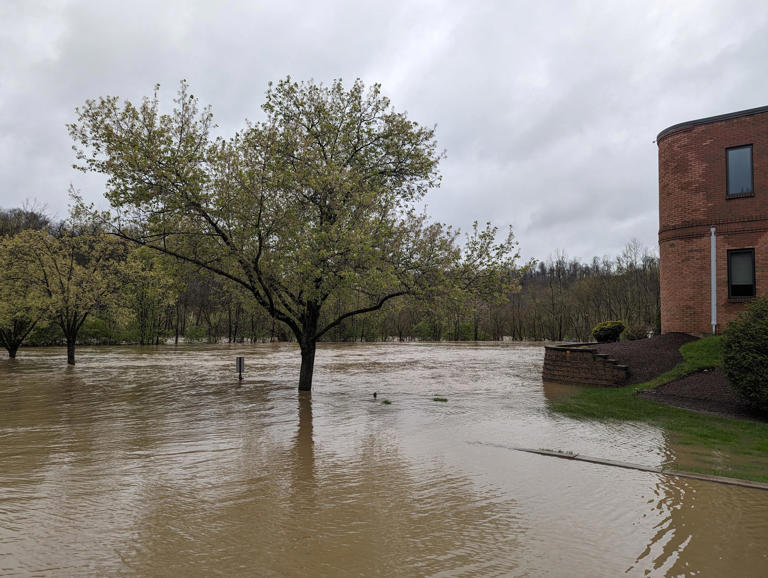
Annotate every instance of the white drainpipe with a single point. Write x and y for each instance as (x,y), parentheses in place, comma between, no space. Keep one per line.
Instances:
(713,277)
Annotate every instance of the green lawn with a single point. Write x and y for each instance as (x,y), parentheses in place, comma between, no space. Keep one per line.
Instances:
(713,445)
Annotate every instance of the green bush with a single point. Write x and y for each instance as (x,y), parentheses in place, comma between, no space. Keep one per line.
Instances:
(608,331)
(634,332)
(745,354)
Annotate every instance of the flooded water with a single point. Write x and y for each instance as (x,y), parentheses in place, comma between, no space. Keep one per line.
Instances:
(155,461)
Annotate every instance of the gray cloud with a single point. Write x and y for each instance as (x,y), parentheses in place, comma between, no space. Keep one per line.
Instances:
(547,112)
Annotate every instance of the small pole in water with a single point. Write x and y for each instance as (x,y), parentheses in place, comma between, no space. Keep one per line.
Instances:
(374,395)
(240,367)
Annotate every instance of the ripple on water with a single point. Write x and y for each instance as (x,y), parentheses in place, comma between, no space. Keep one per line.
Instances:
(142,460)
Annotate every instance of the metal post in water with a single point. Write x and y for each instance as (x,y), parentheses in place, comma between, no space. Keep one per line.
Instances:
(240,367)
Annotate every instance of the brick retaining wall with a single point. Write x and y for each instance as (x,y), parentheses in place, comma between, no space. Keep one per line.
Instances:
(582,364)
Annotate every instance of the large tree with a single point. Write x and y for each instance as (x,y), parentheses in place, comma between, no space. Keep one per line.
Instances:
(316,200)
(76,272)
(23,302)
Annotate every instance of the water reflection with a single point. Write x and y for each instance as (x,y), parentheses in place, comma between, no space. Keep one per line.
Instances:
(157,462)
(704,529)
(554,391)
(697,527)
(305,445)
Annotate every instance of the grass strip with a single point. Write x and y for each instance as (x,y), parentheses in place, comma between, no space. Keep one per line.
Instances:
(746,440)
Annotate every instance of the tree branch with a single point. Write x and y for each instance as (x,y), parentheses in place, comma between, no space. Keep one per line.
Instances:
(360,311)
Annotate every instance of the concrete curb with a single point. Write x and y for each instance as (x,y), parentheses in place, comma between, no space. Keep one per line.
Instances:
(637,467)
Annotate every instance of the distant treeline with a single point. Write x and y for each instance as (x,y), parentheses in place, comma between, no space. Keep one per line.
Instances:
(564,299)
(152,299)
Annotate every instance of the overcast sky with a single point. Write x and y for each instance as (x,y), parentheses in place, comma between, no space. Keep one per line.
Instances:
(547,110)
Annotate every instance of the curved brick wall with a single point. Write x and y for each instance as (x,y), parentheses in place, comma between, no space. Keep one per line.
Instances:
(692,198)
(579,363)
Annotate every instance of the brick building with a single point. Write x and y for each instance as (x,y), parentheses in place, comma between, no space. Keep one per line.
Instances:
(713,219)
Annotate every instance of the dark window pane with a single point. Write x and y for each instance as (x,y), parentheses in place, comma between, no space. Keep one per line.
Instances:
(741,291)
(740,170)
(741,273)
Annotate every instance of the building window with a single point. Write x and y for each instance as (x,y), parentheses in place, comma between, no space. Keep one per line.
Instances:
(741,273)
(739,170)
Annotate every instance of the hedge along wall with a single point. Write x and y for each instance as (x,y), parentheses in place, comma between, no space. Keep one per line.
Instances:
(581,364)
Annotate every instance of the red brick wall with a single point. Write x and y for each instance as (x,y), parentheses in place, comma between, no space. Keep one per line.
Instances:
(692,198)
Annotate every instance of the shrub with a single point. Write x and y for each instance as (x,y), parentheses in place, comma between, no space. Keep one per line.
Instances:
(634,332)
(745,354)
(608,331)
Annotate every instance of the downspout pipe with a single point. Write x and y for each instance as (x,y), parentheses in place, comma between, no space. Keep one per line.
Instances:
(713,277)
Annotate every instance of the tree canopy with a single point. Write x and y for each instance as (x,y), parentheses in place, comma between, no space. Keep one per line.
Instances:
(23,302)
(316,200)
(77,272)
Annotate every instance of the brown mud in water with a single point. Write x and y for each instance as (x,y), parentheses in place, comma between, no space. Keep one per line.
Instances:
(154,461)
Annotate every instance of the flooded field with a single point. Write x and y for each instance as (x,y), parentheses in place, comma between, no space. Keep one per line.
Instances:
(155,461)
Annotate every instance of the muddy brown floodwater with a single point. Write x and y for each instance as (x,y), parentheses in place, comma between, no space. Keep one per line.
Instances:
(154,461)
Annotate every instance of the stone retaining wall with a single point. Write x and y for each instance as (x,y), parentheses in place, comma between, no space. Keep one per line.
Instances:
(582,364)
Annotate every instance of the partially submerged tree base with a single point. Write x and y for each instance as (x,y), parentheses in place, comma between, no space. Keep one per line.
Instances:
(307,366)
(15,332)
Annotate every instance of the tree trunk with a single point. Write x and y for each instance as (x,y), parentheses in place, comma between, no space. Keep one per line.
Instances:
(308,348)
(12,339)
(308,342)
(176,326)
(70,350)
